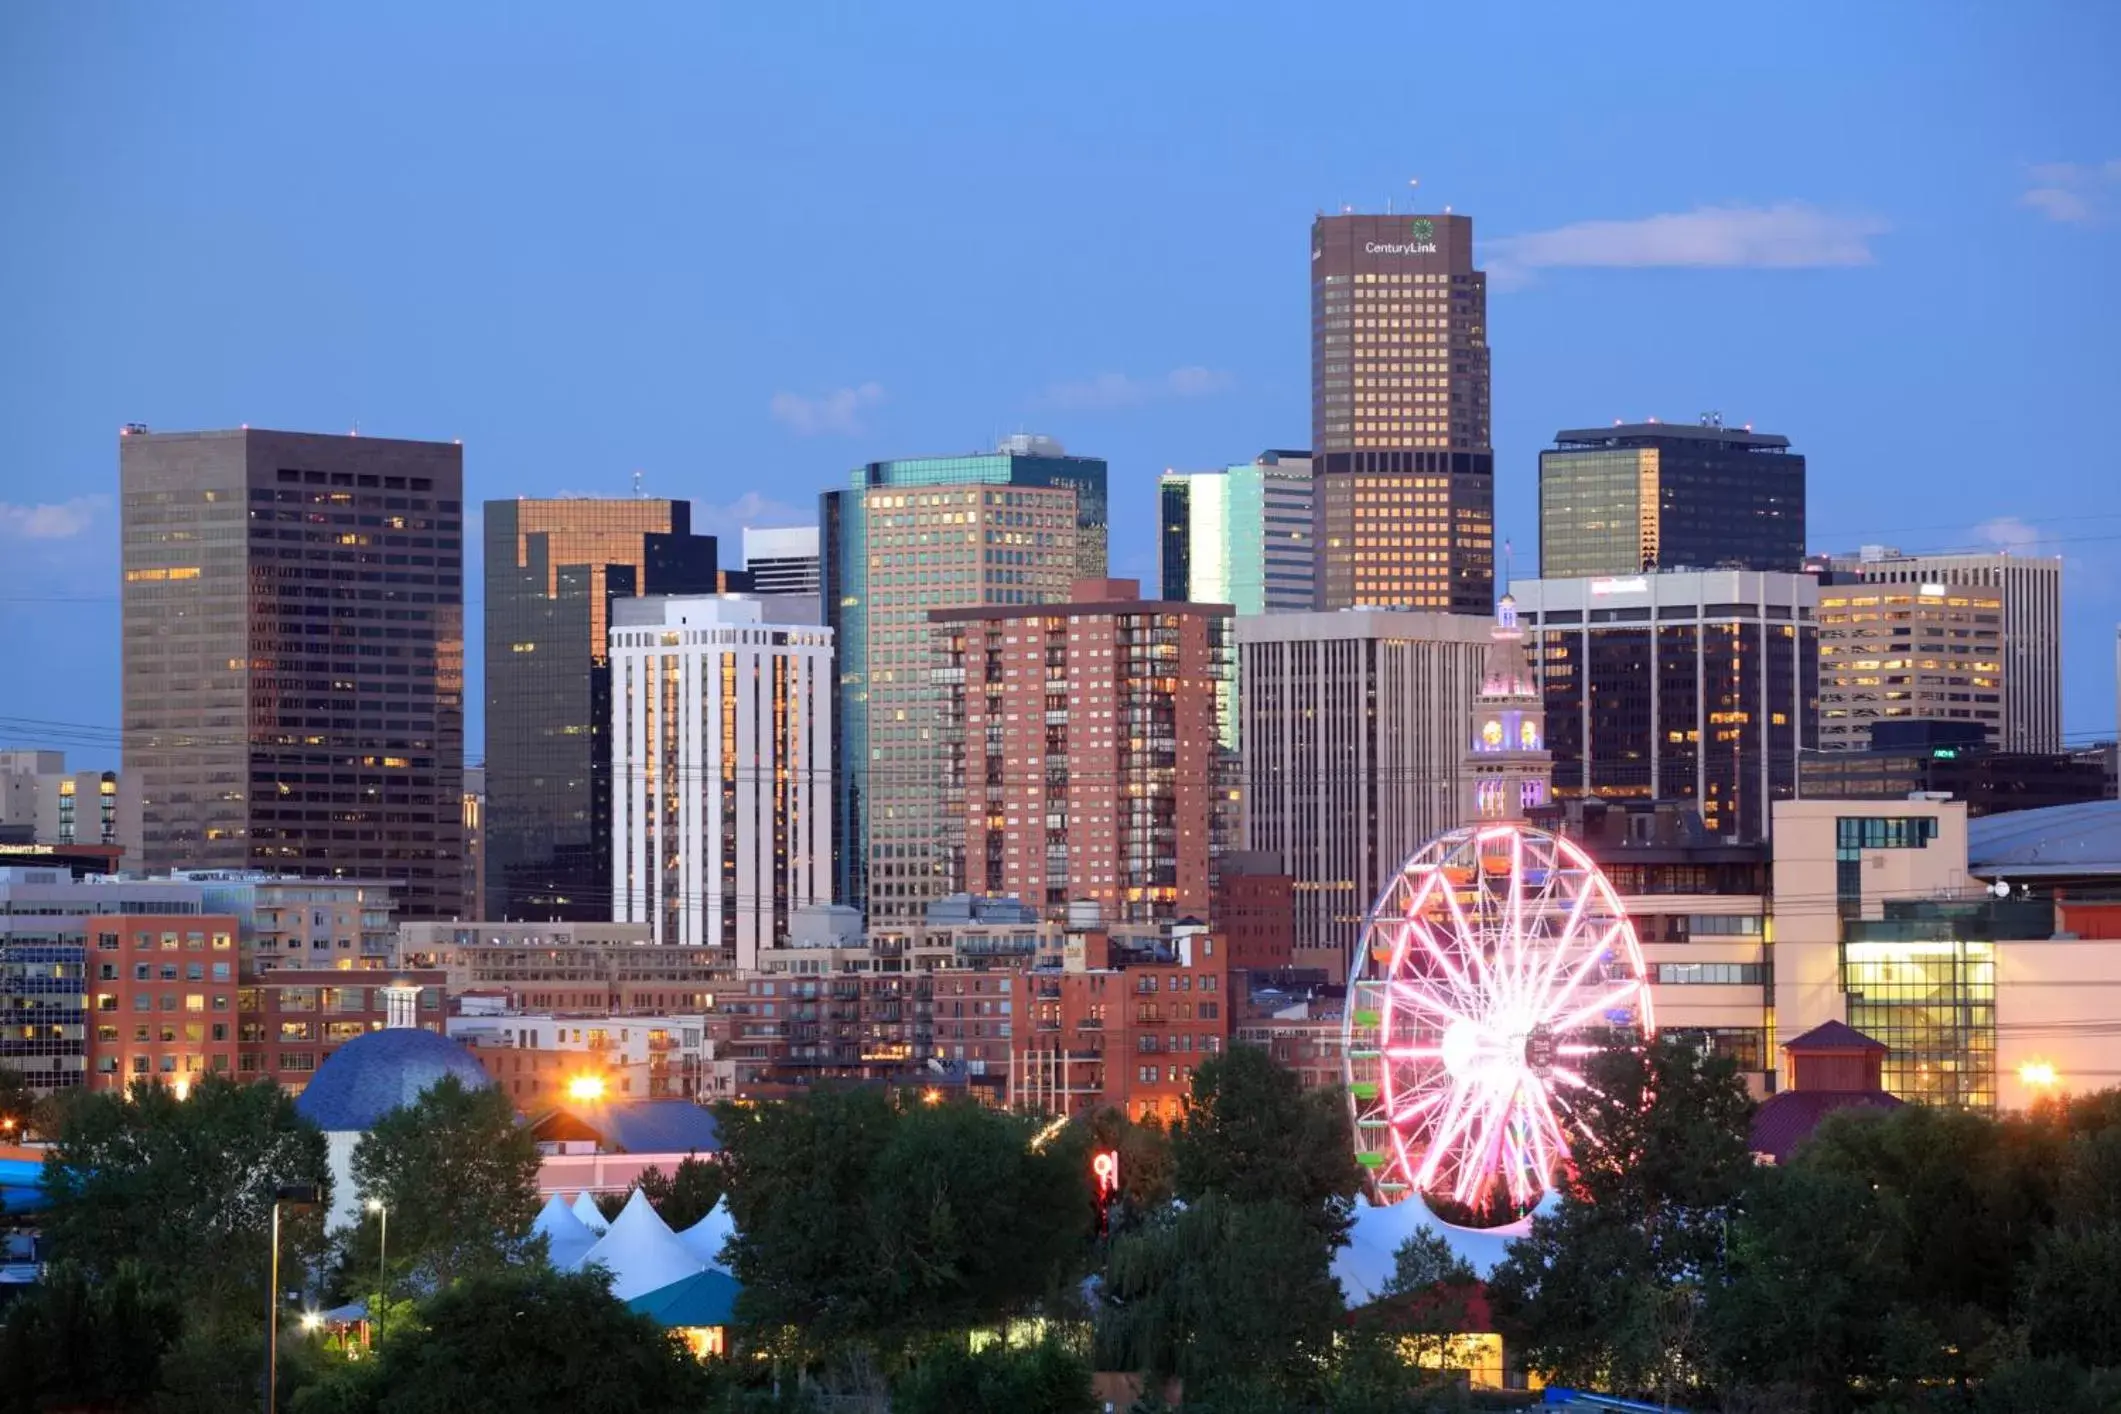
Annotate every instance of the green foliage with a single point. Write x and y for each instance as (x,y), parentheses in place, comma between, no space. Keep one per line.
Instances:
(185,1188)
(860,1220)
(1608,1289)
(2072,1295)
(1027,1379)
(1425,1262)
(1223,1294)
(1372,1375)
(460,1180)
(74,1342)
(523,1338)
(683,1198)
(1253,1134)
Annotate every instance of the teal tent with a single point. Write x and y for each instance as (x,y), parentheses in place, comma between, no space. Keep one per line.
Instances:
(705,1299)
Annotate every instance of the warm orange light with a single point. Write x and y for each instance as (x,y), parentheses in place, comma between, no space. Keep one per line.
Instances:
(2037,1073)
(586,1087)
(932,1096)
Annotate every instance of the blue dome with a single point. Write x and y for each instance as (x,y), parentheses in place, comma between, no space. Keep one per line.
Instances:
(371,1075)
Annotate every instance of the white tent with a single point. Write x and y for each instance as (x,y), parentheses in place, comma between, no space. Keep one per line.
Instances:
(585,1208)
(567,1238)
(641,1252)
(704,1238)
(1365,1264)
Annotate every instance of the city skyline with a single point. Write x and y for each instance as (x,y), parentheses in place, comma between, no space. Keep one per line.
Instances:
(1816,236)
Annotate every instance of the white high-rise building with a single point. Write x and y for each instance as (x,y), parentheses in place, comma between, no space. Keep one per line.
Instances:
(1356,727)
(2030,587)
(721,747)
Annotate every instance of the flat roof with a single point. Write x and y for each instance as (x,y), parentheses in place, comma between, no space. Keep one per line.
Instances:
(1634,433)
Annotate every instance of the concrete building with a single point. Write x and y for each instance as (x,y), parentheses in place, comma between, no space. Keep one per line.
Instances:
(294,655)
(1400,415)
(1954,759)
(1013,527)
(1355,753)
(2030,588)
(553,568)
(610,969)
(51,963)
(290,1020)
(1619,500)
(1080,751)
(535,1057)
(1895,653)
(721,746)
(783,559)
(1679,685)
(41,802)
(313,924)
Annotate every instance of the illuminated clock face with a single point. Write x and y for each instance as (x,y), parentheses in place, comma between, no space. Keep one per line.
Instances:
(1492,733)
(1528,735)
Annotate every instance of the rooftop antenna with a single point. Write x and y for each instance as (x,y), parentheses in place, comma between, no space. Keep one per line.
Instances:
(638,494)
(1712,418)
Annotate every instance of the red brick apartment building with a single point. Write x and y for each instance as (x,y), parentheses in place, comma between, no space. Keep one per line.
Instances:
(289,1020)
(162,997)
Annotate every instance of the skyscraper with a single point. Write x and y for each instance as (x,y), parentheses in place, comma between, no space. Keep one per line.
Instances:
(1399,415)
(294,655)
(722,754)
(1239,535)
(2030,587)
(1905,652)
(1080,751)
(782,559)
(553,568)
(1642,495)
(1014,526)
(1682,685)
(1355,745)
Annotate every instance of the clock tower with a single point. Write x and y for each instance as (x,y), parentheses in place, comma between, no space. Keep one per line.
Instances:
(1509,766)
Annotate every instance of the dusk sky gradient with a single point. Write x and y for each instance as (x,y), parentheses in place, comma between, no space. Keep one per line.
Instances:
(741,249)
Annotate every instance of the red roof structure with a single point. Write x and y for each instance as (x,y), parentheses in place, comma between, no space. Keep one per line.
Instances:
(1832,1067)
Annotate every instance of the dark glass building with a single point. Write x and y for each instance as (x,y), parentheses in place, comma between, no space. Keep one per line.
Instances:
(1646,495)
(552,570)
(294,656)
(1679,686)
(1955,758)
(1405,496)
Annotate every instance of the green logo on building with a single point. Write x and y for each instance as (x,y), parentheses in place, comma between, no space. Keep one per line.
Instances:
(1424,228)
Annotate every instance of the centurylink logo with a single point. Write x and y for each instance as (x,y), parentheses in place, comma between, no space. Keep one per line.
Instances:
(1423,229)
(1421,232)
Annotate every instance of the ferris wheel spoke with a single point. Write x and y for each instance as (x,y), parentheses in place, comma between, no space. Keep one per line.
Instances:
(1598,1006)
(1553,995)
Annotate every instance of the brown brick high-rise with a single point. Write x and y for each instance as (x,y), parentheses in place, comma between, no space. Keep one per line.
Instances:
(1403,466)
(294,656)
(1081,751)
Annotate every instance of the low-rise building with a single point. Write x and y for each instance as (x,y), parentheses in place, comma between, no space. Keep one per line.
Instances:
(163,998)
(611,969)
(343,924)
(541,1059)
(289,1020)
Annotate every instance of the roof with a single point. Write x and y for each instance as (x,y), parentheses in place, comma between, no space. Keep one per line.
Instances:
(706,1299)
(2056,840)
(1788,1119)
(641,1252)
(1833,1036)
(1622,434)
(373,1074)
(642,1126)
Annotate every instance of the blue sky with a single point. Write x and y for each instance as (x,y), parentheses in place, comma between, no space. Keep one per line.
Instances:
(743,248)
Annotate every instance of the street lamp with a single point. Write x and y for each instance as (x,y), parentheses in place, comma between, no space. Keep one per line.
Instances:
(298,1196)
(382,1212)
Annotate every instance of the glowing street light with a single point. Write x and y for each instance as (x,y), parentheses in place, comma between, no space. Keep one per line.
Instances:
(2038,1074)
(312,1321)
(586,1087)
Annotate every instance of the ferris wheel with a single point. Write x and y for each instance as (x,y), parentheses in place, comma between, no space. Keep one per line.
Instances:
(1494,966)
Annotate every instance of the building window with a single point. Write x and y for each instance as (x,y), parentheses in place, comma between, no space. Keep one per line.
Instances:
(1714,974)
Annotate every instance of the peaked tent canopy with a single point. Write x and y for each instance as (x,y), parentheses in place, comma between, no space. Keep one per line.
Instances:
(567,1238)
(641,1252)
(704,1299)
(592,1217)
(704,1239)
(1366,1263)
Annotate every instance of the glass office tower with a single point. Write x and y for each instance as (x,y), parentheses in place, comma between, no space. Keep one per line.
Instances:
(1014,526)
(1240,535)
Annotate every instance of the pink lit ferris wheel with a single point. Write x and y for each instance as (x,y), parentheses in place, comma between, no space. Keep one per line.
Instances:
(1494,965)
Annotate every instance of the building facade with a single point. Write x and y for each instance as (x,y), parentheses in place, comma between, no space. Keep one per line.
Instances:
(1898,653)
(553,568)
(1697,686)
(293,612)
(1953,759)
(1239,535)
(783,559)
(1354,753)
(41,802)
(290,1020)
(721,735)
(1400,415)
(163,998)
(1619,500)
(1013,527)
(1510,770)
(308,924)
(2030,590)
(610,969)
(1080,751)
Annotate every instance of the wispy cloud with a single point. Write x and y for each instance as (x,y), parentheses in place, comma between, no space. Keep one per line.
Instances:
(838,412)
(1789,235)
(49,521)
(2072,192)
(753,508)
(1117,390)
(2012,534)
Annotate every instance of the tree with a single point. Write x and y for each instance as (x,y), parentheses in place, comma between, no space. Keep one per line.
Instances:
(73,1342)
(862,1220)
(458,1178)
(505,1340)
(1231,1297)
(19,1111)
(680,1199)
(185,1188)
(1253,1134)
(2071,1300)
(1425,1262)
(1027,1379)
(1609,1287)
